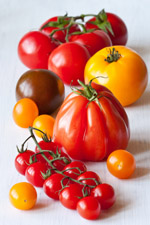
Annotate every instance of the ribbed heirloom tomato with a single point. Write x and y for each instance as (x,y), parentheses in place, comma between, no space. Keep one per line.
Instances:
(91,123)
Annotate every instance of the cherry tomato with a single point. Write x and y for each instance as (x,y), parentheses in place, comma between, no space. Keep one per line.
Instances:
(74,169)
(23,196)
(24,112)
(94,41)
(22,161)
(90,178)
(52,185)
(44,87)
(33,173)
(34,49)
(70,196)
(68,62)
(89,208)
(121,164)
(44,123)
(105,194)
(119,28)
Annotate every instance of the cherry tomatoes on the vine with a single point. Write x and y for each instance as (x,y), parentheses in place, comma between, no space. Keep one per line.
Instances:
(90,178)
(74,169)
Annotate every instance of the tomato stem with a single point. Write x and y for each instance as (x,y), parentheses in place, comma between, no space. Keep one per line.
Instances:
(113,56)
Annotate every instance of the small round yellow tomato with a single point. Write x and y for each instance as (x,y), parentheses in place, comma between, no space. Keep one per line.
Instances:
(24,112)
(121,164)
(23,196)
(121,70)
(44,123)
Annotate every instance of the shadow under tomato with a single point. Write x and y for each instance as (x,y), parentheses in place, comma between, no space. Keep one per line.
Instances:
(140,172)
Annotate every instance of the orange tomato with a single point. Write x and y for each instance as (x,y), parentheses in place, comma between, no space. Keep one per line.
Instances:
(24,112)
(44,123)
(121,164)
(23,195)
(121,70)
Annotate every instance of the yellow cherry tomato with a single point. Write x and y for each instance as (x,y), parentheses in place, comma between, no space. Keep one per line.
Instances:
(121,70)
(44,123)
(23,196)
(24,112)
(121,164)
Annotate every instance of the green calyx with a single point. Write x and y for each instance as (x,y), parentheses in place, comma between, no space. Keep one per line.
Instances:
(113,56)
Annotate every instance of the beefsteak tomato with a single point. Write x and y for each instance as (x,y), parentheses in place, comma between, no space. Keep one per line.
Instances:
(91,123)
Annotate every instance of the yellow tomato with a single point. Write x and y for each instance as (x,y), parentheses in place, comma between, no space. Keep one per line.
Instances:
(23,195)
(44,123)
(121,70)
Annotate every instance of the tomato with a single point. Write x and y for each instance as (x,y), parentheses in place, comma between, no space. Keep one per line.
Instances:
(105,194)
(70,195)
(33,173)
(94,41)
(42,86)
(89,208)
(52,185)
(121,164)
(22,161)
(68,62)
(34,49)
(121,70)
(94,128)
(74,169)
(90,178)
(58,35)
(44,123)
(24,112)
(23,196)
(119,28)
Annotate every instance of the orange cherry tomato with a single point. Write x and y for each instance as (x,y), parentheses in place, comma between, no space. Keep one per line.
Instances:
(23,196)
(24,112)
(44,123)
(121,70)
(121,164)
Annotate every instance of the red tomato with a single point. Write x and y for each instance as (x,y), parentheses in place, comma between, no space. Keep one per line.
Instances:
(105,194)
(90,178)
(89,208)
(34,49)
(68,62)
(74,169)
(59,35)
(22,161)
(94,41)
(70,196)
(33,173)
(119,28)
(52,185)
(93,129)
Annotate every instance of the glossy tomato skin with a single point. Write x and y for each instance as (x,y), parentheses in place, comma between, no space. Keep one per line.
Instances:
(89,208)
(91,133)
(42,86)
(89,178)
(94,41)
(68,62)
(105,194)
(119,76)
(33,173)
(119,28)
(74,169)
(34,49)
(22,161)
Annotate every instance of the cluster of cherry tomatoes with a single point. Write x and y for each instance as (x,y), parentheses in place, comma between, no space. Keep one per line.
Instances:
(63,44)
(61,178)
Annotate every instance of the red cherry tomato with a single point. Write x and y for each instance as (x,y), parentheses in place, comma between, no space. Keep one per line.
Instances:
(70,196)
(22,161)
(34,49)
(68,62)
(119,28)
(94,41)
(89,208)
(105,194)
(33,173)
(74,169)
(90,178)
(52,185)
